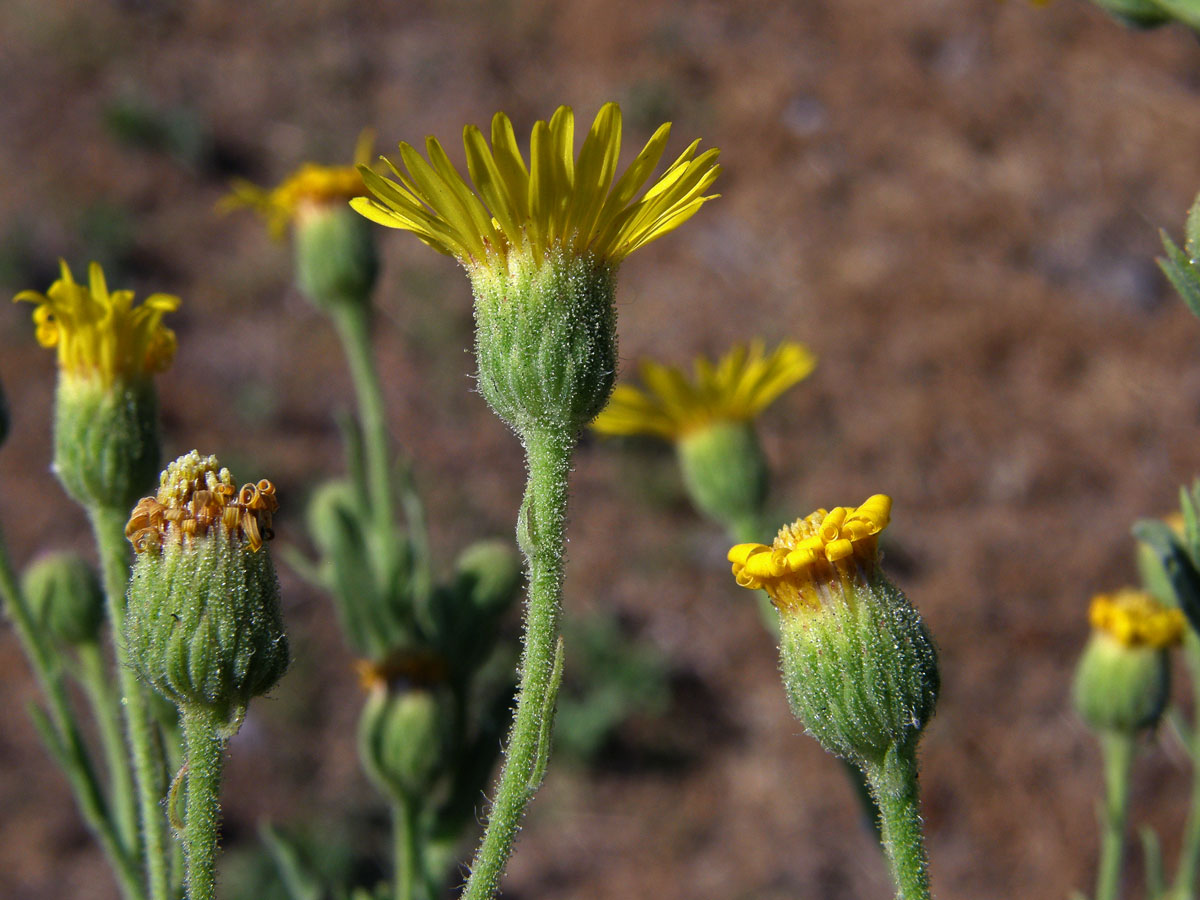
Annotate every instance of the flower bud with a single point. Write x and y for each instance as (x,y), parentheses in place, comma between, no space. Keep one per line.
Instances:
(858,664)
(336,258)
(403,731)
(203,623)
(1123,678)
(725,472)
(546,340)
(65,597)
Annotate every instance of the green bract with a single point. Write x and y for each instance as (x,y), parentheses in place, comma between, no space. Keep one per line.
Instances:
(336,258)
(546,340)
(106,439)
(725,472)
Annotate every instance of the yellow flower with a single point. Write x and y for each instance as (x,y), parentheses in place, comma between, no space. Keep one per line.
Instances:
(558,203)
(1135,619)
(741,385)
(310,187)
(813,554)
(103,334)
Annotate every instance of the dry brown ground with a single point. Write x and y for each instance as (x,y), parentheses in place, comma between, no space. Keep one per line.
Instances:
(954,204)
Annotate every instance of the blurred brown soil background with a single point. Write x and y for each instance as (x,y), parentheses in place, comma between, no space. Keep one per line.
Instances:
(954,204)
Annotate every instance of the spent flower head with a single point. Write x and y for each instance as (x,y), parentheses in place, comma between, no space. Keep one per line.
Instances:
(203,624)
(99,333)
(737,388)
(559,202)
(309,188)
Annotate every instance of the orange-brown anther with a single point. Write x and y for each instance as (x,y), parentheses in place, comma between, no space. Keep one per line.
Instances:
(190,508)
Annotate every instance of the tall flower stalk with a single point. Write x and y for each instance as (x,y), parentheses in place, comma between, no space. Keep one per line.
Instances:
(541,244)
(106,453)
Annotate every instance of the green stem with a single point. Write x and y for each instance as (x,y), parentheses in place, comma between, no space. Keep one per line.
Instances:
(353,323)
(406,850)
(97,683)
(205,756)
(109,528)
(893,782)
(1189,852)
(1118,750)
(63,734)
(541,533)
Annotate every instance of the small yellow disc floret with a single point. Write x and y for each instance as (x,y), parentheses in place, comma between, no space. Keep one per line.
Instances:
(102,333)
(1136,619)
(822,548)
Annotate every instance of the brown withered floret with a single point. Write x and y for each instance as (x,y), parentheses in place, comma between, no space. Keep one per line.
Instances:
(246,513)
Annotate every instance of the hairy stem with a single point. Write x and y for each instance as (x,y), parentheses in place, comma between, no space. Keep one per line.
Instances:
(1118,752)
(406,851)
(540,531)
(109,528)
(205,756)
(63,736)
(893,782)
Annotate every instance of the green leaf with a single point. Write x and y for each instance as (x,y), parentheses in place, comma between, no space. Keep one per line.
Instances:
(1176,562)
(1182,274)
(299,882)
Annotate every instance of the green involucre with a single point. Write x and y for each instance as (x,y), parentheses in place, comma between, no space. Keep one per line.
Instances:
(203,623)
(861,672)
(403,740)
(106,440)
(546,341)
(1119,688)
(725,472)
(336,258)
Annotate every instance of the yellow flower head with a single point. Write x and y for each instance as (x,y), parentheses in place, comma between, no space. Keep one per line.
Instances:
(826,548)
(741,385)
(310,187)
(560,202)
(1135,619)
(100,333)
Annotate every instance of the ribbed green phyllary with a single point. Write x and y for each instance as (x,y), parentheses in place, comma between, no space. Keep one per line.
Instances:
(858,664)
(725,471)
(1123,679)
(404,729)
(336,258)
(203,623)
(546,340)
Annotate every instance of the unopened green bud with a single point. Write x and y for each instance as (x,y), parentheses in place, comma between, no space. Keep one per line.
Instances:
(402,733)
(203,623)
(65,597)
(336,258)
(858,664)
(725,471)
(546,340)
(106,440)
(1123,679)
